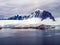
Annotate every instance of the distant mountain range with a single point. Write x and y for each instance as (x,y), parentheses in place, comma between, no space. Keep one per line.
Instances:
(16,17)
(36,13)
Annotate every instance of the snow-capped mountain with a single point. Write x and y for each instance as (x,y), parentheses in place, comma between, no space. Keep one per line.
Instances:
(36,13)
(16,17)
(43,14)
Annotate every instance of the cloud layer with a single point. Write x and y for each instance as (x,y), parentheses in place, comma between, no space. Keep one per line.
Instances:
(13,7)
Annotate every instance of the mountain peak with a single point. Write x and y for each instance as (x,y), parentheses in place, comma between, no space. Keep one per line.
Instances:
(39,10)
(43,14)
(38,13)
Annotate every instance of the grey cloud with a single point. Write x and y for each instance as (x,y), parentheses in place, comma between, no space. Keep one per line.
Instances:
(8,8)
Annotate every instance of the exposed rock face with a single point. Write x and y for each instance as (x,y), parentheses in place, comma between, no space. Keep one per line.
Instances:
(47,14)
(17,17)
(43,14)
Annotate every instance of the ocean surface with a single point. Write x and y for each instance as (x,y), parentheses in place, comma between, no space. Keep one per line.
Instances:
(30,37)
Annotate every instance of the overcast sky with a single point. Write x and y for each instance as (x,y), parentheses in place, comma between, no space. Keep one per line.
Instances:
(13,7)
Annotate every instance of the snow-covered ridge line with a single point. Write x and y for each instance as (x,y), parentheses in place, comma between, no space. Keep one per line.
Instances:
(38,13)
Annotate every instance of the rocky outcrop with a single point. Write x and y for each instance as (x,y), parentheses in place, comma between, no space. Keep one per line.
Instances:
(17,17)
(42,27)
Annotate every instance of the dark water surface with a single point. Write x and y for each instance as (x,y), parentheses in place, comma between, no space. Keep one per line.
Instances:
(29,37)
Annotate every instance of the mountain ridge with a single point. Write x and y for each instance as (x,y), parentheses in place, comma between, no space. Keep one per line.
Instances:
(43,14)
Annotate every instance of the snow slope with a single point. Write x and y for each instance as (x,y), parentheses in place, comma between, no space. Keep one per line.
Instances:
(30,22)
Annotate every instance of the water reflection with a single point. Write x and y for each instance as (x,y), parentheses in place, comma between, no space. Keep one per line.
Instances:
(29,37)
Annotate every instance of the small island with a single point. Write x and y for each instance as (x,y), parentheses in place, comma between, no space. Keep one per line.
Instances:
(42,27)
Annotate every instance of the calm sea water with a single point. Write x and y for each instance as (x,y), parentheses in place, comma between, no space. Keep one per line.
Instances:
(29,37)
